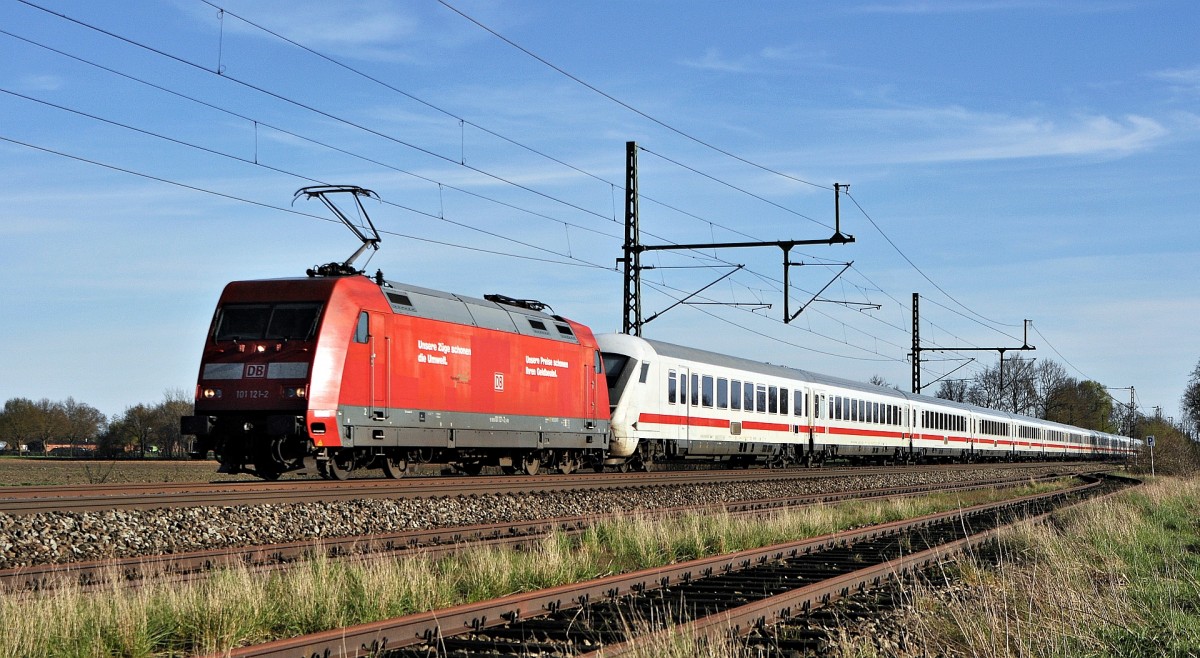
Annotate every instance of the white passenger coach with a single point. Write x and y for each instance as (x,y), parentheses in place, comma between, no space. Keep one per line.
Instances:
(674,403)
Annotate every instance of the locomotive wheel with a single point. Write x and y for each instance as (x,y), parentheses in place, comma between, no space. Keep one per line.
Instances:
(394,467)
(338,466)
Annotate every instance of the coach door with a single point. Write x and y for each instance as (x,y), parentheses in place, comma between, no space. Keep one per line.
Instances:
(818,423)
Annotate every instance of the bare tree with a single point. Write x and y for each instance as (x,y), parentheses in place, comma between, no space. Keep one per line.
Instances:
(1189,405)
(953,389)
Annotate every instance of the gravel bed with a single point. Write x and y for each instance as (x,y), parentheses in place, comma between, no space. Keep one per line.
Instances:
(55,537)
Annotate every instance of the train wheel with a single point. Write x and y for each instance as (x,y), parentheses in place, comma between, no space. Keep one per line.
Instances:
(530,464)
(394,467)
(568,463)
(338,466)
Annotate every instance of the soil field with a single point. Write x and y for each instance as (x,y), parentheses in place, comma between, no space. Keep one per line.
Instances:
(23,472)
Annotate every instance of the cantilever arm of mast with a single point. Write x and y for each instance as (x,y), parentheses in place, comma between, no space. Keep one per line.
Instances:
(684,300)
(786,245)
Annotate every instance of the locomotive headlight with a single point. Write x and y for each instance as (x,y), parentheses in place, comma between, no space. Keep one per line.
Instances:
(294,392)
(300,392)
(211,393)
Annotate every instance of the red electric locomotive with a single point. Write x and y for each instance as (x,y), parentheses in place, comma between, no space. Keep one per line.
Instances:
(338,371)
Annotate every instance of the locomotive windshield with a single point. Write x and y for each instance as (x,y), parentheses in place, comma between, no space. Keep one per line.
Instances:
(283,321)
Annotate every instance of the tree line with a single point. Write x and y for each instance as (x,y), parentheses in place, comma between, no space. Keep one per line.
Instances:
(1042,389)
(36,426)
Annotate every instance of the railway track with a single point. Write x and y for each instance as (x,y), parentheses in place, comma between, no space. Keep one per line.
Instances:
(193,565)
(730,593)
(88,498)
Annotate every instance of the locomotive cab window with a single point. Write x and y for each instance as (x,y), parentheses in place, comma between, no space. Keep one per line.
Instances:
(282,321)
(362,332)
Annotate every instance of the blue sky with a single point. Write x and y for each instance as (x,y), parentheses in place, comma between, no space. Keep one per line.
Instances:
(1035,160)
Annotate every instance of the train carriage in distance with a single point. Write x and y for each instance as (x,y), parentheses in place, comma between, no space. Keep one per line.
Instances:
(334,373)
(674,403)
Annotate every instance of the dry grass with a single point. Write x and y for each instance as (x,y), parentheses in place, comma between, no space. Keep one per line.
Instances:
(235,607)
(1118,577)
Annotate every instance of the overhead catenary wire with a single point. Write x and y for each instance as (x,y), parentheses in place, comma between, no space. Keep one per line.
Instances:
(447,158)
(328,115)
(627,106)
(293,211)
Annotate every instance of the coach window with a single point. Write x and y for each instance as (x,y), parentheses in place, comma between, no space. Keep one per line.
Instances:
(671,386)
(783,401)
(645,373)
(722,393)
(362,333)
(761,406)
(748,396)
(695,390)
(707,398)
(682,388)
(735,394)
(773,399)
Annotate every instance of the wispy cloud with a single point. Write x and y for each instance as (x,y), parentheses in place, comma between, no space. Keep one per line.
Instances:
(41,83)
(955,133)
(985,6)
(768,59)
(714,60)
(1185,78)
(372,29)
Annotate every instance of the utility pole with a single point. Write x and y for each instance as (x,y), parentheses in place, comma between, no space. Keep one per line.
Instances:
(917,349)
(632,323)
(633,248)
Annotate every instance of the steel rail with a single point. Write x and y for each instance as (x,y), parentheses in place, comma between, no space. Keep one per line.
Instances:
(776,609)
(180,567)
(77,498)
(421,628)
